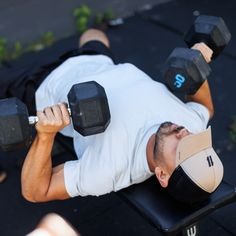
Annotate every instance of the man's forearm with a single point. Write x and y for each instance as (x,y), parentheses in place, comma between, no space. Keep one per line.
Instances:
(37,169)
(203,96)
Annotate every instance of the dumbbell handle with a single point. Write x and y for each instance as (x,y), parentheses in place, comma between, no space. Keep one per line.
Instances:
(34,119)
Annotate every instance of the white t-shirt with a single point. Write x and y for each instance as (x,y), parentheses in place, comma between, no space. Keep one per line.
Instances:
(116,158)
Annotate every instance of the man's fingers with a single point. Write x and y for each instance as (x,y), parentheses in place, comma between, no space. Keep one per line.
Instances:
(57,112)
(205,50)
(65,113)
(41,116)
(53,118)
(54,115)
(49,113)
(208,51)
(42,120)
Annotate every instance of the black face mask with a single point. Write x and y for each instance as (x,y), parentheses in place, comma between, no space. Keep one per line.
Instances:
(183,189)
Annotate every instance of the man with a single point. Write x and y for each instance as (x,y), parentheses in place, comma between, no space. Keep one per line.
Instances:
(53,225)
(151,132)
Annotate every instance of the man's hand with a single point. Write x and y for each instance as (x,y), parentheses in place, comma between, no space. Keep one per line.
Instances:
(54,224)
(52,119)
(205,50)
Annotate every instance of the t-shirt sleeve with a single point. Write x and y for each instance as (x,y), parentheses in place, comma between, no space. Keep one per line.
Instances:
(82,179)
(201,111)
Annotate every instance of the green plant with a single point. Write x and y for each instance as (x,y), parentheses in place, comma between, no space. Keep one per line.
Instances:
(48,39)
(82,11)
(3,49)
(82,24)
(82,15)
(17,51)
(232,130)
(34,47)
(108,14)
(101,18)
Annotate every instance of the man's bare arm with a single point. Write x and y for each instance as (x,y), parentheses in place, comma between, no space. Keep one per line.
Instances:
(40,182)
(203,95)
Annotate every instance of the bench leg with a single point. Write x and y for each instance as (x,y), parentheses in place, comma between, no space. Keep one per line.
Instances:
(191,230)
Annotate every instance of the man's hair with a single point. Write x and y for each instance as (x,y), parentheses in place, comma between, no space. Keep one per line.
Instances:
(158,149)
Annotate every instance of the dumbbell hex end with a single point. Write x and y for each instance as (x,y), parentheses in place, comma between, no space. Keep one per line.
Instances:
(210,30)
(89,108)
(185,70)
(15,131)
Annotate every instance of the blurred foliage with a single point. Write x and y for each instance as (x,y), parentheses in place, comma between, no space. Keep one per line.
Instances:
(83,17)
(35,47)
(8,53)
(109,14)
(83,11)
(101,18)
(3,49)
(18,50)
(232,130)
(48,39)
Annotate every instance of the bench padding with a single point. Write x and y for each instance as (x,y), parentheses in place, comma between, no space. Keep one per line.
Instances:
(167,215)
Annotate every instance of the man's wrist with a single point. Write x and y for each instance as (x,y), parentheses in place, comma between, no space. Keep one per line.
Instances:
(46,136)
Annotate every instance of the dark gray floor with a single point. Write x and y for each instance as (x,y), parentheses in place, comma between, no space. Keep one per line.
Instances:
(145,39)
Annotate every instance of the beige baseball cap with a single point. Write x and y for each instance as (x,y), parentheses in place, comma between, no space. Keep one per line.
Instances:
(199,170)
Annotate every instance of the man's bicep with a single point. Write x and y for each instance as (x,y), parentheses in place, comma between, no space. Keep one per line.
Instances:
(57,188)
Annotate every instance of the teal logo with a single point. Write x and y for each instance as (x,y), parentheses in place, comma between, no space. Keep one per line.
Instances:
(179,81)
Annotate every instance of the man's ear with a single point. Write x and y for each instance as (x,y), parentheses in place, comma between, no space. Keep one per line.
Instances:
(162,176)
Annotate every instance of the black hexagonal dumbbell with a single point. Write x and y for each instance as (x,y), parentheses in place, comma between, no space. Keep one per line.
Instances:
(210,30)
(186,69)
(88,106)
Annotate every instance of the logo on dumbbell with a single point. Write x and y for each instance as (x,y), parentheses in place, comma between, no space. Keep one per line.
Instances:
(179,81)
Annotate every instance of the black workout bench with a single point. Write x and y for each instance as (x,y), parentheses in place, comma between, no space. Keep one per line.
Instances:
(160,210)
(169,216)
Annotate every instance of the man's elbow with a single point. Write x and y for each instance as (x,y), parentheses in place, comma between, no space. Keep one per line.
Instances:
(27,196)
(211,112)
(32,197)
